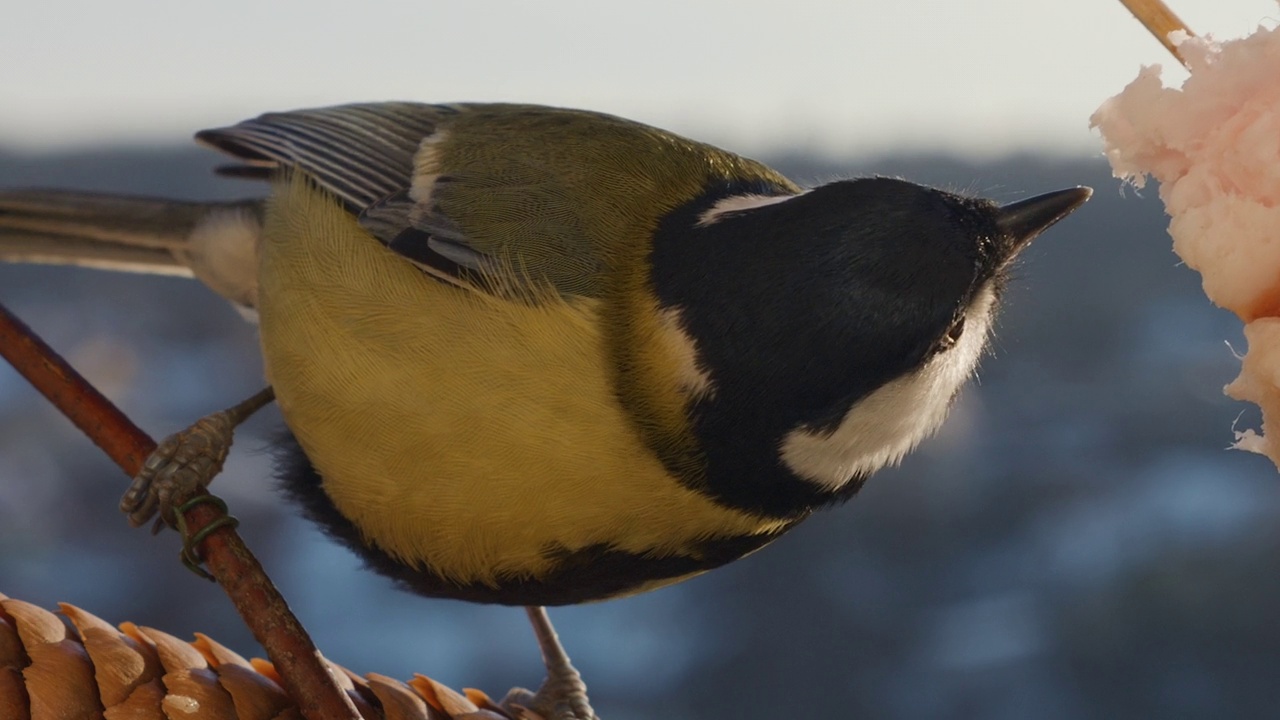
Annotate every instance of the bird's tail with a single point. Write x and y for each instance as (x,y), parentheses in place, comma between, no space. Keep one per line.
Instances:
(215,242)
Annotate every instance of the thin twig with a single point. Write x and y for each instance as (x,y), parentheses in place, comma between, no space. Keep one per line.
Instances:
(286,642)
(1159,21)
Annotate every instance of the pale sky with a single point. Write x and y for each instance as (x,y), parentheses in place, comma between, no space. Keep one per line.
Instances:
(861,76)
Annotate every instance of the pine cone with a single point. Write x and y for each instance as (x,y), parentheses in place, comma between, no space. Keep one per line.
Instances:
(93,671)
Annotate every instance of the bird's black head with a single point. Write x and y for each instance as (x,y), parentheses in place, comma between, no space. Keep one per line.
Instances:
(833,327)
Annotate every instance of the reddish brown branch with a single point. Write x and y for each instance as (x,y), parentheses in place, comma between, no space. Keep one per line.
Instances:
(125,443)
(264,611)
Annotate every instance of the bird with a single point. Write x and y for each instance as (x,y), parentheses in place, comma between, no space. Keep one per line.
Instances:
(541,356)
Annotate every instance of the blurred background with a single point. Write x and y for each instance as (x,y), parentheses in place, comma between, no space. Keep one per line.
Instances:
(1076,542)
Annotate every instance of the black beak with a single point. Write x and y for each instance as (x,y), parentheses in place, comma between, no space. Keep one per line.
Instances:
(1022,221)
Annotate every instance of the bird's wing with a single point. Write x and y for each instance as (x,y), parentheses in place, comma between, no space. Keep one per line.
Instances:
(515,196)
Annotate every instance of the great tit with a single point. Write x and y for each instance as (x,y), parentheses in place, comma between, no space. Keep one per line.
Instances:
(541,356)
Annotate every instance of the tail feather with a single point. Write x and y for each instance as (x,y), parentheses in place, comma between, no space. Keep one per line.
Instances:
(215,242)
(47,248)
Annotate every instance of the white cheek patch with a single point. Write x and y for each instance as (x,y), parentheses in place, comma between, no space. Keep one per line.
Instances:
(887,424)
(738,203)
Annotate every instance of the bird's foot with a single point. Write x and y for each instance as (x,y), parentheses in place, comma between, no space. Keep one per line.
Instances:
(563,695)
(184,463)
(180,467)
(553,701)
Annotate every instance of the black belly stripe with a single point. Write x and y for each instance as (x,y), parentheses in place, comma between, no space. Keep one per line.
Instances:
(597,572)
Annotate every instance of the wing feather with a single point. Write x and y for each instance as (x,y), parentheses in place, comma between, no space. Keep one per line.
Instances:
(361,153)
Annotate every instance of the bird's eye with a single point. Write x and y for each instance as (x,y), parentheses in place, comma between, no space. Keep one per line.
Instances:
(948,341)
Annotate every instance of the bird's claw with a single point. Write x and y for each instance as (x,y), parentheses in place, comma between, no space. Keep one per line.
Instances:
(178,469)
(555,700)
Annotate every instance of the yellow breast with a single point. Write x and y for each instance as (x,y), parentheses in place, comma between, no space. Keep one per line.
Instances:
(461,433)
